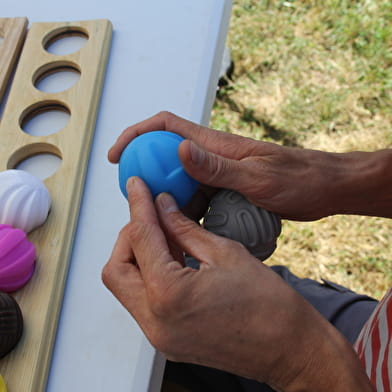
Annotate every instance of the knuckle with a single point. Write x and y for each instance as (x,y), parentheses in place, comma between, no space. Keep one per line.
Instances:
(124,232)
(182,226)
(226,247)
(133,231)
(166,115)
(240,248)
(217,168)
(106,275)
(137,231)
(139,235)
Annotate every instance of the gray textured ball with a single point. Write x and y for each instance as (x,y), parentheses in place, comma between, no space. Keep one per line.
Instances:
(232,216)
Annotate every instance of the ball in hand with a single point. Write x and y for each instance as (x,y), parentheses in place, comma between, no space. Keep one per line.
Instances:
(154,158)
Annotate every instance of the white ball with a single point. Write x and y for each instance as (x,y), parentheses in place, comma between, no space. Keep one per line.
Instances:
(24,200)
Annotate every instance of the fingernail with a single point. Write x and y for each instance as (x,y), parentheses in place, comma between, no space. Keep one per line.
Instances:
(197,154)
(130,183)
(167,202)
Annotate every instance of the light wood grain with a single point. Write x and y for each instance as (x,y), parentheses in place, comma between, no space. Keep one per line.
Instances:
(26,368)
(12,33)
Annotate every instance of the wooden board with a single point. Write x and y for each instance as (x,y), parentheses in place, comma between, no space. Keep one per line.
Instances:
(12,33)
(26,368)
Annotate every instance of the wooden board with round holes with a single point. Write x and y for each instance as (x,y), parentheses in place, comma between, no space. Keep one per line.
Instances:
(12,33)
(26,368)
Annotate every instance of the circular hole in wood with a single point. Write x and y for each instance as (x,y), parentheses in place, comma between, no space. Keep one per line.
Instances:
(57,77)
(39,159)
(65,40)
(45,118)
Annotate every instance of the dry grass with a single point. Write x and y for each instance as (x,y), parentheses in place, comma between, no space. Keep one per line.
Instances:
(317,74)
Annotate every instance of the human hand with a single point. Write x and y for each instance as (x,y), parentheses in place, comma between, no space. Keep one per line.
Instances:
(295,183)
(233,314)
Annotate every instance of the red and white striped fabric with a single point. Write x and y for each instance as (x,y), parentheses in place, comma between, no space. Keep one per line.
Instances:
(374,345)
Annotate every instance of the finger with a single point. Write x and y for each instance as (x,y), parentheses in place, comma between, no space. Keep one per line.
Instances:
(122,253)
(219,142)
(140,201)
(147,239)
(216,170)
(122,277)
(163,121)
(206,247)
(156,122)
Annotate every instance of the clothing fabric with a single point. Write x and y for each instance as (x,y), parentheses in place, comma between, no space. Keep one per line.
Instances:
(374,345)
(343,308)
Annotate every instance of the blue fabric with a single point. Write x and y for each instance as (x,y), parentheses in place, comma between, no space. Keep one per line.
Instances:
(345,309)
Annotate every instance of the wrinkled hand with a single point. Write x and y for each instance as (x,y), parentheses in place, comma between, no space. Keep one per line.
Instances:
(292,182)
(233,314)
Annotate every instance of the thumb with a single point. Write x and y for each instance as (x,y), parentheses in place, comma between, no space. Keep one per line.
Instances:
(212,169)
(206,247)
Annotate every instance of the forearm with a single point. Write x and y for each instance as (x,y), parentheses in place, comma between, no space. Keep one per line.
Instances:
(318,357)
(362,184)
(333,367)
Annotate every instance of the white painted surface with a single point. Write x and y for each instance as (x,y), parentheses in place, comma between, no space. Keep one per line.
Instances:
(165,55)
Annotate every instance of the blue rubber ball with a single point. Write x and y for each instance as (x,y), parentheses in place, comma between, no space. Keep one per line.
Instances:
(154,158)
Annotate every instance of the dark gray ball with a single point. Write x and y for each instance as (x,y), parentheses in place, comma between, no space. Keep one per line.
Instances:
(232,216)
(11,323)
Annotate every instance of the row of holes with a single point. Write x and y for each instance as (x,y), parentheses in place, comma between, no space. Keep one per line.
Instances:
(49,120)
(64,43)
(57,78)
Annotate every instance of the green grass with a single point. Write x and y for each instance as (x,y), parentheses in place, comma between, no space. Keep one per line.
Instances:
(317,74)
(316,61)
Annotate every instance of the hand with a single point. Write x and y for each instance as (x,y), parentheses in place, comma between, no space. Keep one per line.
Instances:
(233,314)
(291,182)
(298,184)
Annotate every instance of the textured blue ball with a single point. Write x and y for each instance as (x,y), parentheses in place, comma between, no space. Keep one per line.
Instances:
(154,158)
